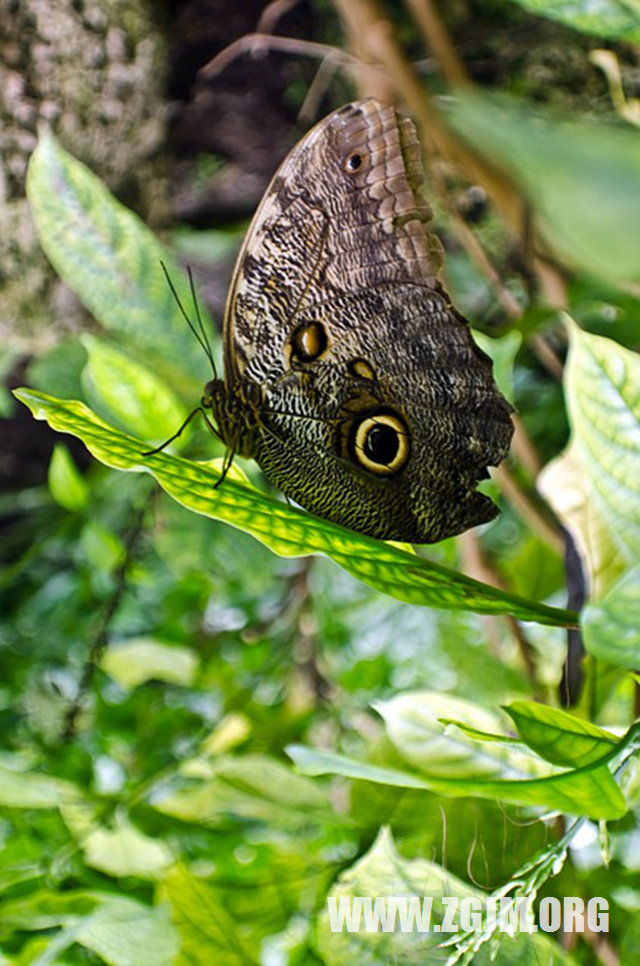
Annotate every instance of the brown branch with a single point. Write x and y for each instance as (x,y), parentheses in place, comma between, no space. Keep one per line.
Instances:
(434,33)
(383,87)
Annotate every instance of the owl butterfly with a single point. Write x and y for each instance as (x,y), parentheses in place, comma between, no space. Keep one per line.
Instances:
(348,375)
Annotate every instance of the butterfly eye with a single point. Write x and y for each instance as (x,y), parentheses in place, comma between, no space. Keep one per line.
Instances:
(309,342)
(380,443)
(353,162)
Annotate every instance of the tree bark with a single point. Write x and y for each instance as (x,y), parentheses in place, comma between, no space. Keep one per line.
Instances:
(94,72)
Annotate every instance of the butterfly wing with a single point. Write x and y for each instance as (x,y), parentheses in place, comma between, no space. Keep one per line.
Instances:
(337,324)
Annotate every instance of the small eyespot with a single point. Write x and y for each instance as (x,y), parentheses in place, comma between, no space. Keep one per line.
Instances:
(308,342)
(353,162)
(380,443)
(361,369)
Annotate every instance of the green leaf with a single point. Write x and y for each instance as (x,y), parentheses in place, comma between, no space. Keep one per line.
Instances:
(59,370)
(208,934)
(565,485)
(23,789)
(125,851)
(595,485)
(286,530)
(595,488)
(603,396)
(452,762)
(67,485)
(9,357)
(503,352)
(414,724)
(581,179)
(124,932)
(248,787)
(112,262)
(141,659)
(384,872)
(589,791)
(102,547)
(558,736)
(134,396)
(43,909)
(314,763)
(615,19)
(207,244)
(612,624)
(476,733)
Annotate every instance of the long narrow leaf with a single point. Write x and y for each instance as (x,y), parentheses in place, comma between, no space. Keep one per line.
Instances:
(590,791)
(284,529)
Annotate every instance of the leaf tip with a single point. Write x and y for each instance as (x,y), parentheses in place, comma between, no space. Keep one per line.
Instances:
(569,323)
(24,395)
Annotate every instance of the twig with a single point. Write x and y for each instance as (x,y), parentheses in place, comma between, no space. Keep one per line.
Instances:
(272,14)
(477,564)
(384,61)
(607,955)
(547,356)
(304,646)
(573,672)
(524,449)
(383,86)
(100,636)
(475,251)
(295,611)
(526,509)
(317,89)
(259,44)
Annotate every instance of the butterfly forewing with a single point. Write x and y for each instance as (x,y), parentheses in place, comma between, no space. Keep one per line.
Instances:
(338,335)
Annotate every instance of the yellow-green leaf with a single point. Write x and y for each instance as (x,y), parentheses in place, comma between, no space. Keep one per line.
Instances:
(131,393)
(67,485)
(558,736)
(287,530)
(112,262)
(141,659)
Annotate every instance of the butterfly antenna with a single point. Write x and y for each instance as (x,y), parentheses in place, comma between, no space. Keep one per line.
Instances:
(203,341)
(158,449)
(203,331)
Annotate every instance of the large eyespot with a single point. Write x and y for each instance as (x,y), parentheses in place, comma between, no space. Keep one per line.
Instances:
(308,342)
(353,162)
(380,443)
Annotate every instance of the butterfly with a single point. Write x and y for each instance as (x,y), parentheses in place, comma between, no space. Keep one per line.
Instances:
(348,375)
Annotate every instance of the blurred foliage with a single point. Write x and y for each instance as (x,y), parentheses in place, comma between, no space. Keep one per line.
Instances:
(203,739)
